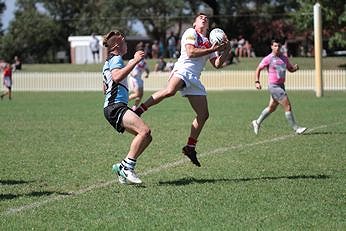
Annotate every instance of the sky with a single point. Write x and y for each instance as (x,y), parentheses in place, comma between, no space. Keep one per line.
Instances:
(8,14)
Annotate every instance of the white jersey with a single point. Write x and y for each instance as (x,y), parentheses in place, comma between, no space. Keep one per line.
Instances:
(139,69)
(193,65)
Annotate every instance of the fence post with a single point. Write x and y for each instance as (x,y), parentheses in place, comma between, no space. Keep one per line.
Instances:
(318,49)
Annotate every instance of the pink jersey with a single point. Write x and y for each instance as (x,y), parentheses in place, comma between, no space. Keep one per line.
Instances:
(276,66)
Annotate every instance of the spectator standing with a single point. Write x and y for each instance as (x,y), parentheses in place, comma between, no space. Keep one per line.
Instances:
(17,65)
(147,51)
(284,49)
(172,45)
(155,50)
(95,48)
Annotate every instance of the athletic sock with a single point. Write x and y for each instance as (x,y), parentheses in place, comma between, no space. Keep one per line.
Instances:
(264,114)
(128,163)
(142,108)
(191,142)
(290,118)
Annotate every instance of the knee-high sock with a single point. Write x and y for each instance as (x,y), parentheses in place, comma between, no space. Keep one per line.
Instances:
(264,114)
(291,121)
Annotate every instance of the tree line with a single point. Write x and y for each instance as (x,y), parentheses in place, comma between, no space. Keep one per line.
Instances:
(41,28)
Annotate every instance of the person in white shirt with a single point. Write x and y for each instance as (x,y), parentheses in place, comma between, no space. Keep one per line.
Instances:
(185,77)
(95,48)
(136,81)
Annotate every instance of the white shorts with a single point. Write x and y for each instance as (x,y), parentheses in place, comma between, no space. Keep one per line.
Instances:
(136,83)
(7,82)
(193,85)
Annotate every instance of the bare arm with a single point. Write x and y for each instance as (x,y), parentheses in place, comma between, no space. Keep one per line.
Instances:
(194,52)
(120,74)
(257,78)
(218,61)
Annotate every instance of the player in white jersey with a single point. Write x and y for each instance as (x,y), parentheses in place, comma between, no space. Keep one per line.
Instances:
(185,77)
(136,81)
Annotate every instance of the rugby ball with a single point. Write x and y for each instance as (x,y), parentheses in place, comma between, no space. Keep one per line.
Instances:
(216,36)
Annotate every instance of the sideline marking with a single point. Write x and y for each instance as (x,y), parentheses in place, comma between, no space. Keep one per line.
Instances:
(34,205)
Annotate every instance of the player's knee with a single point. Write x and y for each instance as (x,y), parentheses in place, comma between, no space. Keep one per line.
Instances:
(146,133)
(287,107)
(272,108)
(204,116)
(170,93)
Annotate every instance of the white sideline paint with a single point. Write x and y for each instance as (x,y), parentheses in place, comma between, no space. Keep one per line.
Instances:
(34,205)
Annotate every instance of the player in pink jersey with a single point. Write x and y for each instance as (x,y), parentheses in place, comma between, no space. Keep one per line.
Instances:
(276,64)
(185,77)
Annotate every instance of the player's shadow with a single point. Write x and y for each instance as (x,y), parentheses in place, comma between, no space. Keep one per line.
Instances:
(324,133)
(14,182)
(192,180)
(10,196)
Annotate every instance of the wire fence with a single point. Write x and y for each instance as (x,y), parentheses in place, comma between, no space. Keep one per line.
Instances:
(213,80)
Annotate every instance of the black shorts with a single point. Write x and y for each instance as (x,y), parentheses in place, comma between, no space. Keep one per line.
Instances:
(114,114)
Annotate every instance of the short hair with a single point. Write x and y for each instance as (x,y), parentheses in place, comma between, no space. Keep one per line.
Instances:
(112,39)
(196,16)
(199,14)
(276,40)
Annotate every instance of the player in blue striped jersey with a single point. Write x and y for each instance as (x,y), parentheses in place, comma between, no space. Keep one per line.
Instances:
(116,111)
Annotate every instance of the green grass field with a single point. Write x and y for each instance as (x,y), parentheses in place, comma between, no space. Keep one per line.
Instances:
(328,63)
(57,151)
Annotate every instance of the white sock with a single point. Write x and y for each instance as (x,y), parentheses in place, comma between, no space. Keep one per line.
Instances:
(290,118)
(128,163)
(264,114)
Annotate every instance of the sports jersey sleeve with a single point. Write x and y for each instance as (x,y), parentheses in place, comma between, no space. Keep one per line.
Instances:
(265,62)
(190,37)
(116,63)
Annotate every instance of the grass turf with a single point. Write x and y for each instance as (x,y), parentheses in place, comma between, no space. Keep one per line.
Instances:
(57,150)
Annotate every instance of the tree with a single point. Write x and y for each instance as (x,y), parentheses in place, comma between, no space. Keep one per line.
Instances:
(2,9)
(157,16)
(333,17)
(31,36)
(257,21)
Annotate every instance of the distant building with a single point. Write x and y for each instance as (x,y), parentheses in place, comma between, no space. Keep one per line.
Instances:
(80,51)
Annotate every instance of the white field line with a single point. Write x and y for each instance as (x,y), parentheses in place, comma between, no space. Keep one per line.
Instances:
(163,167)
